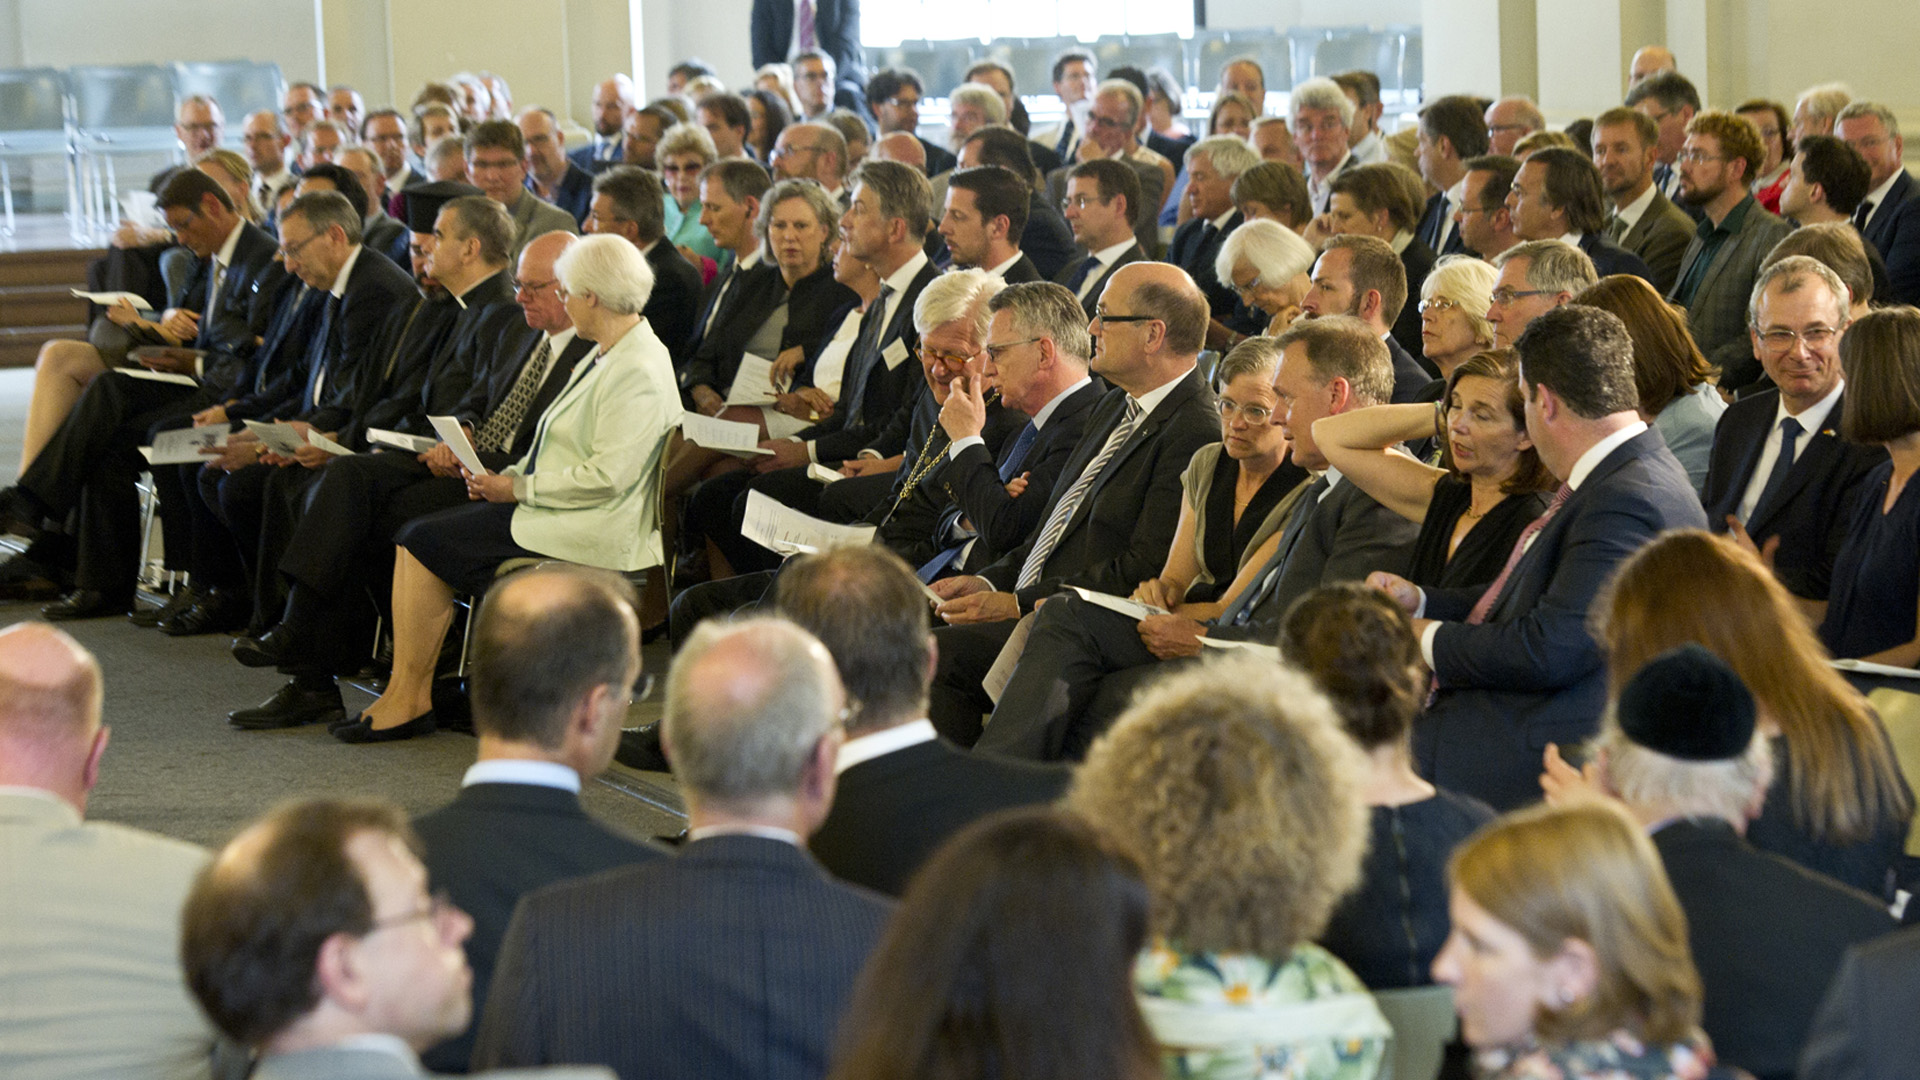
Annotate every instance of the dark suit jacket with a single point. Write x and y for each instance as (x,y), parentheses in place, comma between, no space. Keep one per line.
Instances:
(891,812)
(1894,231)
(939,158)
(1864,1030)
(1047,239)
(240,311)
(1119,535)
(1417,259)
(836,30)
(1532,674)
(1810,515)
(972,479)
(714,351)
(502,371)
(1766,936)
(1410,376)
(731,961)
(583,159)
(278,367)
(1131,255)
(494,844)
(1022,272)
(675,301)
(435,383)
(415,333)
(1718,314)
(1610,258)
(1194,248)
(1882,224)
(574,193)
(1660,238)
(373,290)
(883,388)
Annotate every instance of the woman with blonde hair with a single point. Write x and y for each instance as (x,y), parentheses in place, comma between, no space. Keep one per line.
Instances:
(1838,804)
(1569,956)
(1454,300)
(1232,786)
(1677,395)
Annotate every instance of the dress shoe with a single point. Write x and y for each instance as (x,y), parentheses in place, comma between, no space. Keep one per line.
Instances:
(291,706)
(361,730)
(640,749)
(270,649)
(20,513)
(22,578)
(218,611)
(181,600)
(85,604)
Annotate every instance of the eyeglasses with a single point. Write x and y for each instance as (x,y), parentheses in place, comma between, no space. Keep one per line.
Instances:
(1692,157)
(1437,305)
(437,907)
(927,355)
(1503,297)
(292,251)
(994,351)
(1495,129)
(533,286)
(1081,202)
(1246,291)
(1780,340)
(902,102)
(1252,414)
(1096,120)
(1104,316)
(787,151)
(492,164)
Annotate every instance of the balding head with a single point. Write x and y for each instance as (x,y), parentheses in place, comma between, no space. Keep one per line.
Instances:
(50,732)
(899,146)
(1651,60)
(1138,356)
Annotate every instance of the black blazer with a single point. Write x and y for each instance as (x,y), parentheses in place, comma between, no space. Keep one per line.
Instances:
(437,386)
(882,388)
(972,479)
(1022,272)
(1894,232)
(939,158)
(494,844)
(1766,936)
(715,350)
(1864,1030)
(675,302)
(278,367)
(415,333)
(731,961)
(374,289)
(1610,258)
(1810,515)
(574,192)
(1194,248)
(1432,220)
(891,812)
(1417,260)
(1047,239)
(1119,535)
(836,29)
(240,312)
(1410,377)
(1532,674)
(1133,254)
(1882,223)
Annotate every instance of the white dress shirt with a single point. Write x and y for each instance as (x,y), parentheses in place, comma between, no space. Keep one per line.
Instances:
(1811,419)
(522,771)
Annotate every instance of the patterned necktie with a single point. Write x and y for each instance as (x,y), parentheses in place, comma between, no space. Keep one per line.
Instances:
(497,433)
(806,31)
(1078,283)
(1790,432)
(864,355)
(1069,503)
(1484,605)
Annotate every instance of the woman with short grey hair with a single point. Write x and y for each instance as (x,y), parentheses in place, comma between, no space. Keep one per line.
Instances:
(1268,265)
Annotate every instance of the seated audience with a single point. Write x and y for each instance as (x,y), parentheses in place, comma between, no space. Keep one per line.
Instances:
(1099,205)
(627,201)
(1360,651)
(735,958)
(1372,200)
(91,954)
(1887,220)
(1267,264)
(768,115)
(614,99)
(1862,1028)
(1682,752)
(1362,277)
(585,492)
(1486,225)
(1489,486)
(813,150)
(1273,191)
(1677,394)
(312,941)
(645,128)
(1167,134)
(497,161)
(1535,277)
(1450,134)
(1838,247)
(1322,117)
(727,120)
(982,220)
(1046,239)
(1012,955)
(1568,955)
(1213,164)
(1509,120)
(1454,301)
(1769,120)
(684,153)
(1114,126)
(1233,787)
(1556,195)
(1826,181)
(550,173)
(893,94)
(749,288)
(1640,217)
(1363,137)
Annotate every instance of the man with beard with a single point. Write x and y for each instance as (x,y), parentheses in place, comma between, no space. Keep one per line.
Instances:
(1735,233)
(1639,218)
(613,102)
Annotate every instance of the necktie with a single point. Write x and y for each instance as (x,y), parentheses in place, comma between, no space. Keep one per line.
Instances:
(1861,214)
(1790,432)
(1483,606)
(1616,228)
(322,355)
(1066,139)
(1078,283)
(1240,612)
(1662,177)
(864,354)
(806,31)
(1069,503)
(719,294)
(1017,456)
(1010,468)
(497,433)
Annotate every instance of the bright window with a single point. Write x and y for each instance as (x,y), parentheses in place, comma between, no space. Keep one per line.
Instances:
(886,25)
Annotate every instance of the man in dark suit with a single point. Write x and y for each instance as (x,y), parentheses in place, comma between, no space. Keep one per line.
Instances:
(1451,133)
(1556,196)
(1113,513)
(1361,276)
(627,202)
(1113,121)
(1321,116)
(1100,202)
(1889,216)
(1639,217)
(1047,239)
(551,174)
(1213,164)
(1864,1029)
(1514,664)
(1780,475)
(1082,663)
(1685,757)
(91,464)
(1373,201)
(985,214)
(556,653)
(893,95)
(737,956)
(902,789)
(747,291)
(778,38)
(613,103)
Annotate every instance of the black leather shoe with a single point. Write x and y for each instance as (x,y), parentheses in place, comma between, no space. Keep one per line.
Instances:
(181,600)
(218,611)
(291,706)
(270,649)
(640,749)
(20,513)
(361,730)
(85,604)
(23,579)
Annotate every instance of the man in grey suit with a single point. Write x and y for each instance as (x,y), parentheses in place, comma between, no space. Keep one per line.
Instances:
(735,959)
(497,164)
(1723,258)
(89,913)
(1082,661)
(1639,217)
(312,940)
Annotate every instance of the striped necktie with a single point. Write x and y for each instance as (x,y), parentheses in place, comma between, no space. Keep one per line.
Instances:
(1069,503)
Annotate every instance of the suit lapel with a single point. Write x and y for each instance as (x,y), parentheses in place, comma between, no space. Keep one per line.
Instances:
(1823,446)
(1149,427)
(1753,437)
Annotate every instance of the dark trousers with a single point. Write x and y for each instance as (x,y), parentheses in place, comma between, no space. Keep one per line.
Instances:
(1047,712)
(717,507)
(966,653)
(717,599)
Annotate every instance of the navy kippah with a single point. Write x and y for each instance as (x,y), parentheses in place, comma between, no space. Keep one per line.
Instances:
(1687,703)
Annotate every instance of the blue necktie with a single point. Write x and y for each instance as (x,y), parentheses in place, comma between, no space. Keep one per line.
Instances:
(1790,432)
(1080,276)
(1010,468)
(864,355)
(1066,140)
(323,356)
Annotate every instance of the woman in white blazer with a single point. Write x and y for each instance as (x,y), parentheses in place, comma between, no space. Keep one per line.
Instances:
(587,491)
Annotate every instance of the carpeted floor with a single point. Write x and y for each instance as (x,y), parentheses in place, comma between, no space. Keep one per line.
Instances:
(174,765)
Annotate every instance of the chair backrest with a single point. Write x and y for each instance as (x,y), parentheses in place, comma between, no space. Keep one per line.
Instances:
(1144,51)
(240,86)
(1272,51)
(122,98)
(1423,1024)
(33,100)
(1031,60)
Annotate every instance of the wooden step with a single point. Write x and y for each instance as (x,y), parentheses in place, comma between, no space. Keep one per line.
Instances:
(20,345)
(46,268)
(40,305)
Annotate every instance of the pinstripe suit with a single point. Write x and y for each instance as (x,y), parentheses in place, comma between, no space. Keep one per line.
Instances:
(733,960)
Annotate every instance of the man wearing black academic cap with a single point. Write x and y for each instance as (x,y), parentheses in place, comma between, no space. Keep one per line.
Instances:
(1684,754)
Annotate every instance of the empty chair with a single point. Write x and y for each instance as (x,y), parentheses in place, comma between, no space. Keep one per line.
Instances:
(241,87)
(33,123)
(1144,51)
(118,110)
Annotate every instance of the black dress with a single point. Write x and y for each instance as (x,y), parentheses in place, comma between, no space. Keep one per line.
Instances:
(1483,551)
(1222,542)
(1864,865)
(1876,576)
(1389,928)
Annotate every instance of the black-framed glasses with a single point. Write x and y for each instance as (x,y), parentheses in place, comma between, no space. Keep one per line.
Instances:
(1503,297)
(1105,316)
(292,251)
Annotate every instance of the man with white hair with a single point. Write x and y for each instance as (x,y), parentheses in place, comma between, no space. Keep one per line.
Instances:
(1684,753)
(1816,110)
(1322,116)
(717,941)
(1213,164)
(89,913)
(973,106)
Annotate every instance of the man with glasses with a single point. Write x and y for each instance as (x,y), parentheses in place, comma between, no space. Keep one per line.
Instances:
(1535,277)
(385,133)
(1322,116)
(551,174)
(894,96)
(813,72)
(497,164)
(1734,234)
(267,146)
(303,104)
(1889,217)
(1780,475)
(555,663)
(816,152)
(1100,206)
(1509,120)
(1670,101)
(312,941)
(1485,225)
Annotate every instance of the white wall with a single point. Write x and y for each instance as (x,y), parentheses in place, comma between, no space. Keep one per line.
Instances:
(62,33)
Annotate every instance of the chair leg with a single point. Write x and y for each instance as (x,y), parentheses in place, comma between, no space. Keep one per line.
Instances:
(6,194)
